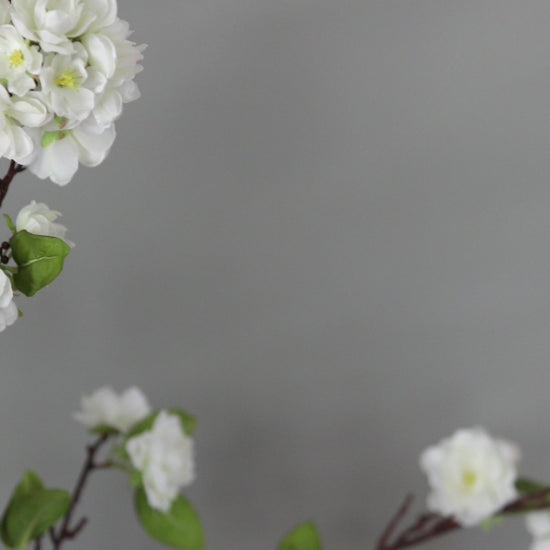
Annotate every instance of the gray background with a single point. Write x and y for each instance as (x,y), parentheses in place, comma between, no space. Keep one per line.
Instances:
(324,229)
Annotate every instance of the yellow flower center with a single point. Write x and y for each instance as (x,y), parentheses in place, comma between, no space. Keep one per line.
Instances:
(69,79)
(469,479)
(16,58)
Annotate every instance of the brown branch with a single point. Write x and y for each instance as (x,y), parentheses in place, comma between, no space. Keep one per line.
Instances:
(429,525)
(6,180)
(66,532)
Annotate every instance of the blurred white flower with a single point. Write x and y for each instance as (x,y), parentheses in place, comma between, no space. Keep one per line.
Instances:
(8,315)
(38,219)
(471,475)
(6,292)
(164,455)
(538,525)
(106,408)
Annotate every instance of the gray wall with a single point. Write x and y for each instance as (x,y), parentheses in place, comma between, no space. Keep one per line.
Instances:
(324,229)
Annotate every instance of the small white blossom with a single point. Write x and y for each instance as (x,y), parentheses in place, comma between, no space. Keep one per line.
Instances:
(117,58)
(471,475)
(15,141)
(164,455)
(65,84)
(106,408)
(538,525)
(38,219)
(8,315)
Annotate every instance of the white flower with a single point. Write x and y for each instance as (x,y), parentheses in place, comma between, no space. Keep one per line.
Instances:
(538,525)
(8,315)
(105,408)
(6,292)
(38,219)
(471,475)
(67,85)
(164,455)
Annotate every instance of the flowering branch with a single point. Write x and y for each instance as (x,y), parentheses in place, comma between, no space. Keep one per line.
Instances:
(65,532)
(6,180)
(429,525)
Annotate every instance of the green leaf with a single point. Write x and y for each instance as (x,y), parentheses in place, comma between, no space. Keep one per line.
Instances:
(188,423)
(527,486)
(303,537)
(29,516)
(29,482)
(10,223)
(40,260)
(136,479)
(180,527)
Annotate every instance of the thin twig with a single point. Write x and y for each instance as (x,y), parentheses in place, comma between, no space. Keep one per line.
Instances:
(66,532)
(394,522)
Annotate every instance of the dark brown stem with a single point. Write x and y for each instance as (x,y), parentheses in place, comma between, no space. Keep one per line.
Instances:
(394,522)
(430,526)
(65,531)
(6,180)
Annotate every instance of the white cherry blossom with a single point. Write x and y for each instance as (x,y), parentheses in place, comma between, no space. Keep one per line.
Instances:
(18,61)
(65,85)
(58,153)
(107,408)
(164,455)
(471,475)
(117,58)
(15,141)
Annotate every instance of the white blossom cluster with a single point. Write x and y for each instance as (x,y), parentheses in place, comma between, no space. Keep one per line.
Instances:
(163,454)
(66,69)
